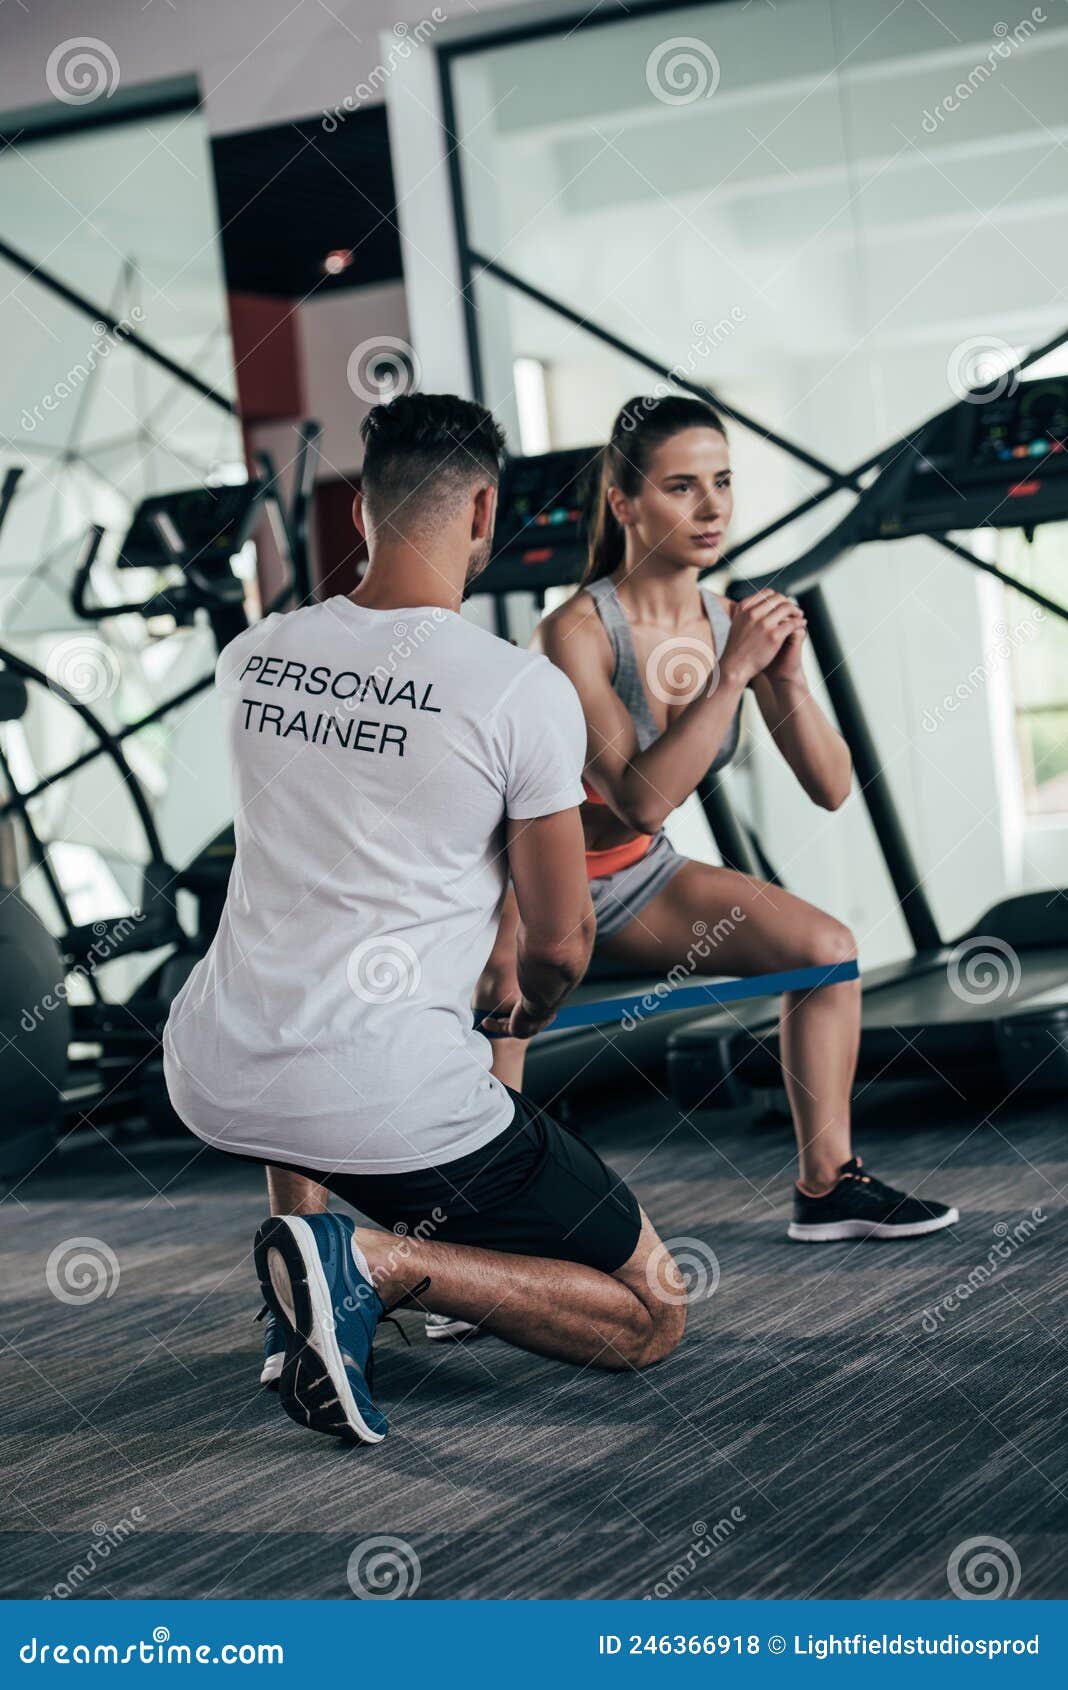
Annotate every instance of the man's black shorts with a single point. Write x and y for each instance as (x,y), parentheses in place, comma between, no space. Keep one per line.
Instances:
(536,1190)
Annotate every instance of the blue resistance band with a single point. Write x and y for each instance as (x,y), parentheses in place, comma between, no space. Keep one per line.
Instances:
(613,1010)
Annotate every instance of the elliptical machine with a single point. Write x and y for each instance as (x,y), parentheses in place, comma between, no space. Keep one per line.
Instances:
(98,1064)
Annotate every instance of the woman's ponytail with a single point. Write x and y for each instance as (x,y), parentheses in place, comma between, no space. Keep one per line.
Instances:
(606,542)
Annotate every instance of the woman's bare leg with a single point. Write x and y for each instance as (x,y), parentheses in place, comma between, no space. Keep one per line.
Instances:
(715,921)
(498,986)
(509,1057)
(630,1318)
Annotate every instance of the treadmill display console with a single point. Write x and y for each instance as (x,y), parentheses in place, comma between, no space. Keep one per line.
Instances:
(1000,463)
(540,536)
(201,523)
(1028,424)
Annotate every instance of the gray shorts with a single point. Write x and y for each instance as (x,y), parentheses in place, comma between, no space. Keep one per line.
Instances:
(618,898)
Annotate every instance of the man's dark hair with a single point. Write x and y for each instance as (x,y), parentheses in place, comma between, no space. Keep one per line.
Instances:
(422,451)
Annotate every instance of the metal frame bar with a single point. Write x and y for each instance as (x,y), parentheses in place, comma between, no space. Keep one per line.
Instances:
(730,840)
(490,267)
(874,787)
(115,326)
(140,104)
(90,756)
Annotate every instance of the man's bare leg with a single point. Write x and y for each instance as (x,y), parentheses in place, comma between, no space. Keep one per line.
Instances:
(630,1318)
(292,1194)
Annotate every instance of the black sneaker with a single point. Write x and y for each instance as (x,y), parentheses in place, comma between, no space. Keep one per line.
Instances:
(861,1206)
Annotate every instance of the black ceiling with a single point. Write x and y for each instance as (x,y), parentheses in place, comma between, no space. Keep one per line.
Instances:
(290,195)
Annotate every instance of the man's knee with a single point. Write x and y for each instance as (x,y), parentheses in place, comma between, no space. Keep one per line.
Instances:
(667,1327)
(656,1330)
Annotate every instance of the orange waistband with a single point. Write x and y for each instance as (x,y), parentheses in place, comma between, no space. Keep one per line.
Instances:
(617,857)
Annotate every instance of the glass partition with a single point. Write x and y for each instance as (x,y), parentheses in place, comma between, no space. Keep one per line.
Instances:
(122,214)
(840,218)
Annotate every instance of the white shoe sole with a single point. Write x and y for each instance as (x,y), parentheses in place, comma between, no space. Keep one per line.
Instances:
(272,1368)
(303,1305)
(455,1329)
(834,1232)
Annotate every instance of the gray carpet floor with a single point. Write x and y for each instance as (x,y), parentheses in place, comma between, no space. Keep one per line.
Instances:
(809,1439)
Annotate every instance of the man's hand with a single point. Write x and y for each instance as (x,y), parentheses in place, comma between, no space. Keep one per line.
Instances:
(511,1018)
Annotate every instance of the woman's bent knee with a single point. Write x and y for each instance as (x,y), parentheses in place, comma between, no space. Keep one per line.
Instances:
(829,943)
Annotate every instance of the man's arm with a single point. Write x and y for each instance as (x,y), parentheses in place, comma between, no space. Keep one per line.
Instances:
(556,930)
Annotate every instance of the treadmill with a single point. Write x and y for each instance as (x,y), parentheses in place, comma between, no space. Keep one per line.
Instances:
(1002,463)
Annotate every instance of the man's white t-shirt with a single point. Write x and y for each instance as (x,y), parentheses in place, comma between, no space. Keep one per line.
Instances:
(375,756)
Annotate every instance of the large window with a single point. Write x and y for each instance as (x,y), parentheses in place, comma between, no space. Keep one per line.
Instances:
(840,215)
(1039,645)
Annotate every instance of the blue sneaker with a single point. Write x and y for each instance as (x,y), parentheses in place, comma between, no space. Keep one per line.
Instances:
(274,1348)
(328,1312)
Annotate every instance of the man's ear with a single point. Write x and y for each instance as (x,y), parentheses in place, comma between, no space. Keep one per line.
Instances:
(357,514)
(484,513)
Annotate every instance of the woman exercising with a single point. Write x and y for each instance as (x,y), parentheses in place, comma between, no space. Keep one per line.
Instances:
(661,665)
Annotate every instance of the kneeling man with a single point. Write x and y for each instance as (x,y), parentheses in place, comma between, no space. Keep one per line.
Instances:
(393,767)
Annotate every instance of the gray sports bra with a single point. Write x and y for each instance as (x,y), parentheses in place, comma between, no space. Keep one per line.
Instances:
(626,676)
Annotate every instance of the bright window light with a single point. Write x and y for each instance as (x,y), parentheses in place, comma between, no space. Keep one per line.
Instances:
(528,376)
